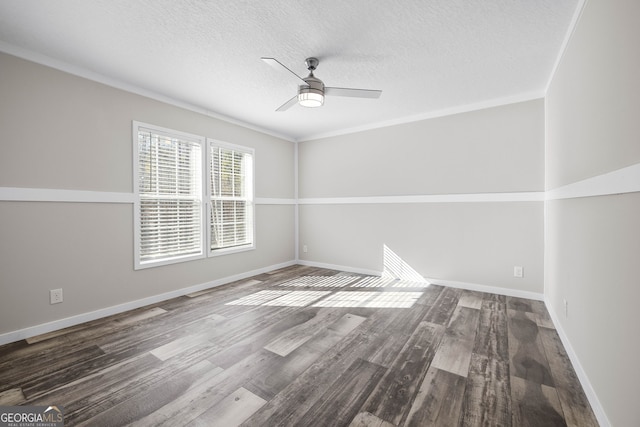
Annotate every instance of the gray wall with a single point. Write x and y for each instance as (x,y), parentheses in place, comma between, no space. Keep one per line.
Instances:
(59,131)
(497,150)
(592,244)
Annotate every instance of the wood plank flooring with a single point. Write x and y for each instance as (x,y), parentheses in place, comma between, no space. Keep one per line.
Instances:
(304,346)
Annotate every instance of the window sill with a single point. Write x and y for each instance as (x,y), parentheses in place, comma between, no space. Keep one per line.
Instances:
(232,250)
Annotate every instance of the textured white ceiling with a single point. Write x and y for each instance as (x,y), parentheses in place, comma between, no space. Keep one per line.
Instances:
(425,55)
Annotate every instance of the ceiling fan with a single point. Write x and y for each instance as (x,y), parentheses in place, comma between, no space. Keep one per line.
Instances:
(312,92)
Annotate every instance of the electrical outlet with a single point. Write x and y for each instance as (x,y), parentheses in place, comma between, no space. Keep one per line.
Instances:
(55,296)
(518,271)
(304,249)
(566,308)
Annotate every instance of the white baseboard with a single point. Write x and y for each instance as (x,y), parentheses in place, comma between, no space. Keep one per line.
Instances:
(603,420)
(109,311)
(489,289)
(450,283)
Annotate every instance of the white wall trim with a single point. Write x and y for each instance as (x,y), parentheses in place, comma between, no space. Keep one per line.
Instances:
(567,38)
(274,201)
(625,180)
(530,96)
(57,64)
(536,196)
(449,283)
(15,194)
(296,212)
(18,194)
(118,84)
(109,311)
(582,375)
(621,181)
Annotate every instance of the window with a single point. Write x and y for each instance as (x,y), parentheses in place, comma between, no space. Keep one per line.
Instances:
(173,200)
(231,187)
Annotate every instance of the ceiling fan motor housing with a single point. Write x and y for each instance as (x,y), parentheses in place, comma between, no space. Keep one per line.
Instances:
(311,94)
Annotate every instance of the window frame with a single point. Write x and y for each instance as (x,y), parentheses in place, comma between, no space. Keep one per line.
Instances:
(205,217)
(233,249)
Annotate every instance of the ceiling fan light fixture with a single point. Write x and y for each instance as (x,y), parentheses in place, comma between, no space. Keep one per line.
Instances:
(310,97)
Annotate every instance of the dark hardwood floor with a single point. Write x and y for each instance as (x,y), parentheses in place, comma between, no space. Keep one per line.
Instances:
(304,346)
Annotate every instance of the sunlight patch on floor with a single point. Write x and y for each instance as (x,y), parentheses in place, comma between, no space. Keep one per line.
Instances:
(367,299)
(352,281)
(258,298)
(297,299)
(370,299)
(321,281)
(375,282)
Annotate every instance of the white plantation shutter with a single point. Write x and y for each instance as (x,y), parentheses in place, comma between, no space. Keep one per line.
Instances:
(231,189)
(169,190)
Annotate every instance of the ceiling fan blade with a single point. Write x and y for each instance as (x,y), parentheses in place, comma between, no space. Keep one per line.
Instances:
(279,66)
(354,93)
(290,103)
